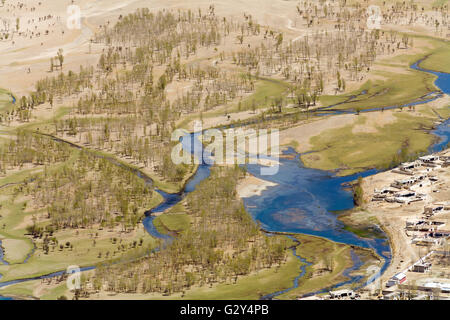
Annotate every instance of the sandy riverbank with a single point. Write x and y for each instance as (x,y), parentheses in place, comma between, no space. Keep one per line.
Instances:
(252,186)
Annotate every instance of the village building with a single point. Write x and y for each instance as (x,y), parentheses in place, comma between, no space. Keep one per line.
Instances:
(344,293)
(446,163)
(425,241)
(429,159)
(399,278)
(405,194)
(424,225)
(443,287)
(421,267)
(410,165)
(431,210)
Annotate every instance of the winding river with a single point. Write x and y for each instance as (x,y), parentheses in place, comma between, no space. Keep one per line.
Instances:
(304,200)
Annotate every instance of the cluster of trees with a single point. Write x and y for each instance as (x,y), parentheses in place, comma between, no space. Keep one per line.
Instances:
(411,13)
(89,191)
(136,117)
(82,190)
(222,243)
(64,85)
(129,137)
(158,35)
(434,14)
(311,63)
(134,114)
(323,59)
(28,148)
(47,90)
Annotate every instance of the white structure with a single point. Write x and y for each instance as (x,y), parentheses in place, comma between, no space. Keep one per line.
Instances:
(399,278)
(429,159)
(341,294)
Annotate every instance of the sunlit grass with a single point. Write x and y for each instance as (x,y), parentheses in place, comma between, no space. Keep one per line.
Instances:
(350,152)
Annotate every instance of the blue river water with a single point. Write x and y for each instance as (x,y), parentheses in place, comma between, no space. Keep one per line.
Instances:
(304,200)
(296,279)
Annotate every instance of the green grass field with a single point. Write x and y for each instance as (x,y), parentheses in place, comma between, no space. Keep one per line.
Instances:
(251,287)
(26,290)
(318,251)
(22,290)
(321,254)
(87,249)
(351,152)
(16,245)
(266,90)
(439,59)
(391,92)
(439,2)
(175,222)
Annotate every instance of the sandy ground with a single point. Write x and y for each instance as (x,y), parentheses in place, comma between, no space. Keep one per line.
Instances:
(393,216)
(43,29)
(373,122)
(26,55)
(13,249)
(252,186)
(221,120)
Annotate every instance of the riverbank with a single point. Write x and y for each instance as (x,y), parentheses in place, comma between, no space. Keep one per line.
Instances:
(329,265)
(437,61)
(351,142)
(251,186)
(373,140)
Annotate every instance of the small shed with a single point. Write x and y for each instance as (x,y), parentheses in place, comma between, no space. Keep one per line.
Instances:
(341,294)
(429,159)
(422,267)
(399,278)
